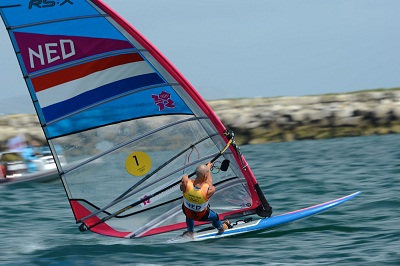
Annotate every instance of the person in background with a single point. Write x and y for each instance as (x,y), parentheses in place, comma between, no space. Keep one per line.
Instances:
(196,197)
(29,156)
(3,173)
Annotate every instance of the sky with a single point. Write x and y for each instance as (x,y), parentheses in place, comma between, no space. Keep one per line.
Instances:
(260,48)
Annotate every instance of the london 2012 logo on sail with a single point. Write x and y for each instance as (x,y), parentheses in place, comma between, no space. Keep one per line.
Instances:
(48,3)
(163,100)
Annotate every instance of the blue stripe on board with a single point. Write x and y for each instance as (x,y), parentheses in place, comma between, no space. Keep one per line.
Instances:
(99,94)
(137,105)
(282,219)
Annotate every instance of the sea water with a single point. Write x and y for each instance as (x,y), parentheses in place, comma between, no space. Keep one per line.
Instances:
(37,225)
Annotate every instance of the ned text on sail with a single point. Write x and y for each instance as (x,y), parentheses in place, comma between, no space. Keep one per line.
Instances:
(51,52)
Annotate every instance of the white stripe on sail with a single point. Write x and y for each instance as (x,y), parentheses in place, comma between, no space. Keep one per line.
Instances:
(76,87)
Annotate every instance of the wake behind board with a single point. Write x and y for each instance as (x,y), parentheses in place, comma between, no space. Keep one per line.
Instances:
(266,223)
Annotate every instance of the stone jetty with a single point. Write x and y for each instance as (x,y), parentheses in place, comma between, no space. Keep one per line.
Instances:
(311,117)
(262,120)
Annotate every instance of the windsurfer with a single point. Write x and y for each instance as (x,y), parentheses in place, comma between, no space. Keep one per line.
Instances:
(196,197)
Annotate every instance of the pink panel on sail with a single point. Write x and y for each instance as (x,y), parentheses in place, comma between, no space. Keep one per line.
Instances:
(41,51)
(80,211)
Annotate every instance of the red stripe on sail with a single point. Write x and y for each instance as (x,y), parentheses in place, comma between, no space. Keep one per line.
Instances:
(62,76)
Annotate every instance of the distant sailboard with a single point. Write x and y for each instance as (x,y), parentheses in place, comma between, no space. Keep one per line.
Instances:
(129,124)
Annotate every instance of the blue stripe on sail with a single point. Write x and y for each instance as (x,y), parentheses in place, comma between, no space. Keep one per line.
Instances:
(140,104)
(31,12)
(93,27)
(99,94)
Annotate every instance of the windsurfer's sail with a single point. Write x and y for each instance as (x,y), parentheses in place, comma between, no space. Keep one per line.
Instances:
(128,122)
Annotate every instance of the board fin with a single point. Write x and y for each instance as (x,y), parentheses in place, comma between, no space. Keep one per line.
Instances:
(265,209)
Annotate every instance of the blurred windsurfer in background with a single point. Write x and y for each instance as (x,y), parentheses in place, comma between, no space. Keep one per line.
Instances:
(29,156)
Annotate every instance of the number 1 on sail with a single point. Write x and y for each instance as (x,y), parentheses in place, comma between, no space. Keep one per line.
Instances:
(138,163)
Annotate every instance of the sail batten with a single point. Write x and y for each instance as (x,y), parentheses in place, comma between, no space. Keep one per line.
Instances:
(127,121)
(52,21)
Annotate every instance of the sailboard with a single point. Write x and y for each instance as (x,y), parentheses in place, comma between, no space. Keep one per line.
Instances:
(249,225)
(126,120)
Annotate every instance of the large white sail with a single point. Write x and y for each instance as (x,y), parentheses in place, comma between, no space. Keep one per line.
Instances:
(128,123)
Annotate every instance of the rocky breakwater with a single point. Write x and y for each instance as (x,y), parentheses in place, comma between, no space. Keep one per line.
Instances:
(21,124)
(262,120)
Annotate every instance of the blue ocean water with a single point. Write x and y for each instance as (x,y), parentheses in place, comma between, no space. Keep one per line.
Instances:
(38,228)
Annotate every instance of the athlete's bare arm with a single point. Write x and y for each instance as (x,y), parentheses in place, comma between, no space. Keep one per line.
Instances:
(184,182)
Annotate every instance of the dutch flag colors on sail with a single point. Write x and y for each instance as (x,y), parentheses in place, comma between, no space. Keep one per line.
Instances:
(92,82)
